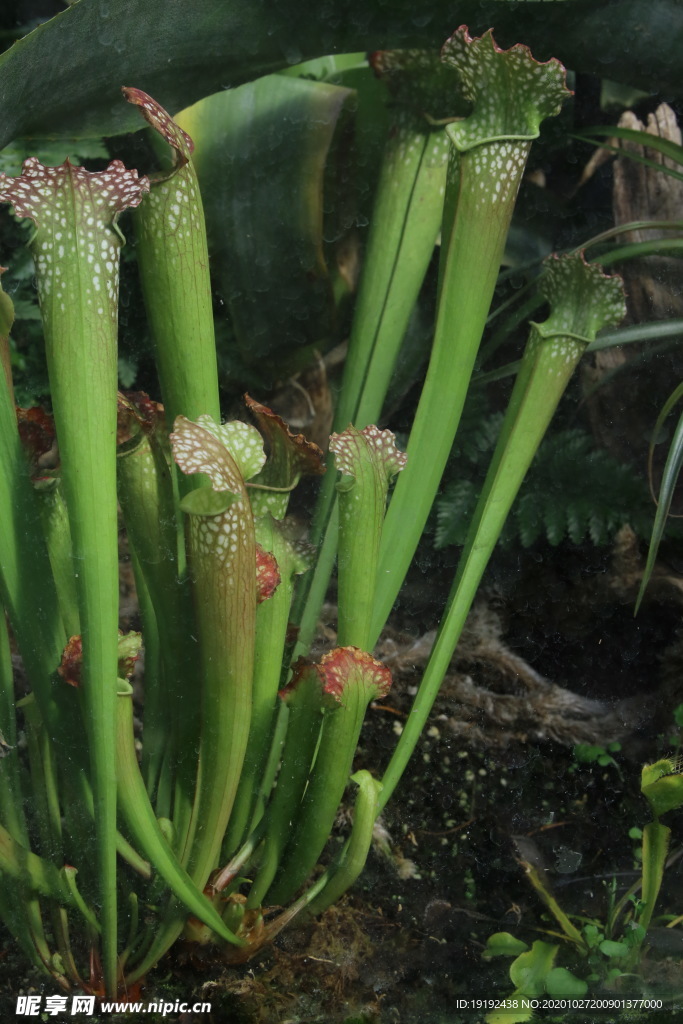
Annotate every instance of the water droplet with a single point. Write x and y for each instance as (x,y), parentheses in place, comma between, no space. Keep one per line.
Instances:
(293,54)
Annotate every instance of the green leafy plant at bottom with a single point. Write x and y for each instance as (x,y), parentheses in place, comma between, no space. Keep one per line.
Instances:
(593,753)
(602,953)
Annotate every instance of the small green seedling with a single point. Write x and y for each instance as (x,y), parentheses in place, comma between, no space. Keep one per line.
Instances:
(591,753)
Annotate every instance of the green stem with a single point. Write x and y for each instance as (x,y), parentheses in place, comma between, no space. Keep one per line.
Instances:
(11,803)
(656,839)
(27,588)
(353,678)
(44,783)
(367,460)
(174,268)
(33,873)
(406,219)
(60,552)
(76,249)
(355,853)
(144,827)
(511,94)
(304,699)
(583,300)
(148,504)
(272,619)
(222,560)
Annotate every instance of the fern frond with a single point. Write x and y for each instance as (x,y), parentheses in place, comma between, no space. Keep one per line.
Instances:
(573,491)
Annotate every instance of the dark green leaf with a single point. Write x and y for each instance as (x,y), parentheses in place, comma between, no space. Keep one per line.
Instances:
(560,982)
(504,944)
(204,501)
(529,971)
(260,154)
(50,152)
(65,75)
(672,150)
(609,948)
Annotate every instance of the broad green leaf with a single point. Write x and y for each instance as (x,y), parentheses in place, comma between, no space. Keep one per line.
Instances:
(51,152)
(562,983)
(529,971)
(609,948)
(504,944)
(183,51)
(260,154)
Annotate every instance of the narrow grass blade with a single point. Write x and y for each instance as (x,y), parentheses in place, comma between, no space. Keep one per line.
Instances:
(672,469)
(671,150)
(656,838)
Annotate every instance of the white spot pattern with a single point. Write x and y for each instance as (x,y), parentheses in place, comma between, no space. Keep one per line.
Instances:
(196,450)
(352,445)
(583,298)
(511,93)
(75,211)
(162,121)
(242,441)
